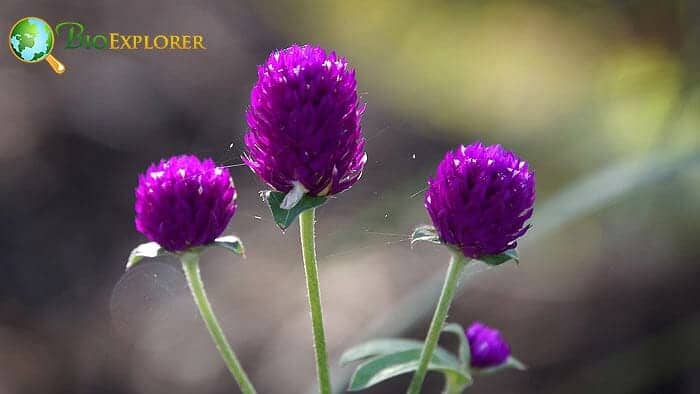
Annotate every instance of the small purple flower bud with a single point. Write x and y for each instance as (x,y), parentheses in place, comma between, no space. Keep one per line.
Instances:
(480,198)
(183,202)
(488,348)
(304,122)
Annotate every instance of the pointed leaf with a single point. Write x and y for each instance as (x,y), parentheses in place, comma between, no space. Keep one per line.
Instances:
(454,385)
(464,351)
(514,363)
(232,243)
(511,362)
(388,366)
(381,347)
(498,259)
(147,250)
(425,233)
(285,217)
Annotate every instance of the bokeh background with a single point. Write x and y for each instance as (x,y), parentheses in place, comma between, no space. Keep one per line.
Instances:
(602,97)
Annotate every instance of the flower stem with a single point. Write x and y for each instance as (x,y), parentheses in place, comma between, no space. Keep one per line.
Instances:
(308,250)
(190,264)
(457,263)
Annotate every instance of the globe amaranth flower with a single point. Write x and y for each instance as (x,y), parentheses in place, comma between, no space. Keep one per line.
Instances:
(304,122)
(480,198)
(183,202)
(488,349)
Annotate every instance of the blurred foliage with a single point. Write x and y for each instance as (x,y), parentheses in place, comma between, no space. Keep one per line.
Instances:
(520,68)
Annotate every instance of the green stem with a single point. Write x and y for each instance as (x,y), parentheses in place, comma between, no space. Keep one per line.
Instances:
(457,263)
(308,250)
(190,264)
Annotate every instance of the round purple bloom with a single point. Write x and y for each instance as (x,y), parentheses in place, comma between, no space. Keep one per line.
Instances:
(488,348)
(480,198)
(183,202)
(304,122)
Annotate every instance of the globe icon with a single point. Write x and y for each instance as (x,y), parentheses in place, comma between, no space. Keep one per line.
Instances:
(31,41)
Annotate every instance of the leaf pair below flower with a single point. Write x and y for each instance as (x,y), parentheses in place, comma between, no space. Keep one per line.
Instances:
(428,233)
(152,249)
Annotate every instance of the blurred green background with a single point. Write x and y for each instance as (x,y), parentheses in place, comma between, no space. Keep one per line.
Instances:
(602,97)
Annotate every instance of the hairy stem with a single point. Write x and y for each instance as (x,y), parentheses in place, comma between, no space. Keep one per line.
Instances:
(190,264)
(308,249)
(457,263)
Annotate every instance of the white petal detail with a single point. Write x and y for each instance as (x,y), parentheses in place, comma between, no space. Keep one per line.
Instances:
(294,196)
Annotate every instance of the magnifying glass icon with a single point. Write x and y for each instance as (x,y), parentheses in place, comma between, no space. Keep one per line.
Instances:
(31,41)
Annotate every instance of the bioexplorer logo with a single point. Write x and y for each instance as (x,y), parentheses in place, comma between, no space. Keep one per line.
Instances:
(32,40)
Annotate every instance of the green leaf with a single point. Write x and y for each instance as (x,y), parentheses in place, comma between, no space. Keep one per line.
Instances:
(285,217)
(232,243)
(147,250)
(454,386)
(385,367)
(381,347)
(464,351)
(498,259)
(425,233)
(511,362)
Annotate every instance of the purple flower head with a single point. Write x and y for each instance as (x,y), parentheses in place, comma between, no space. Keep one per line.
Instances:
(183,202)
(488,348)
(304,122)
(480,198)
